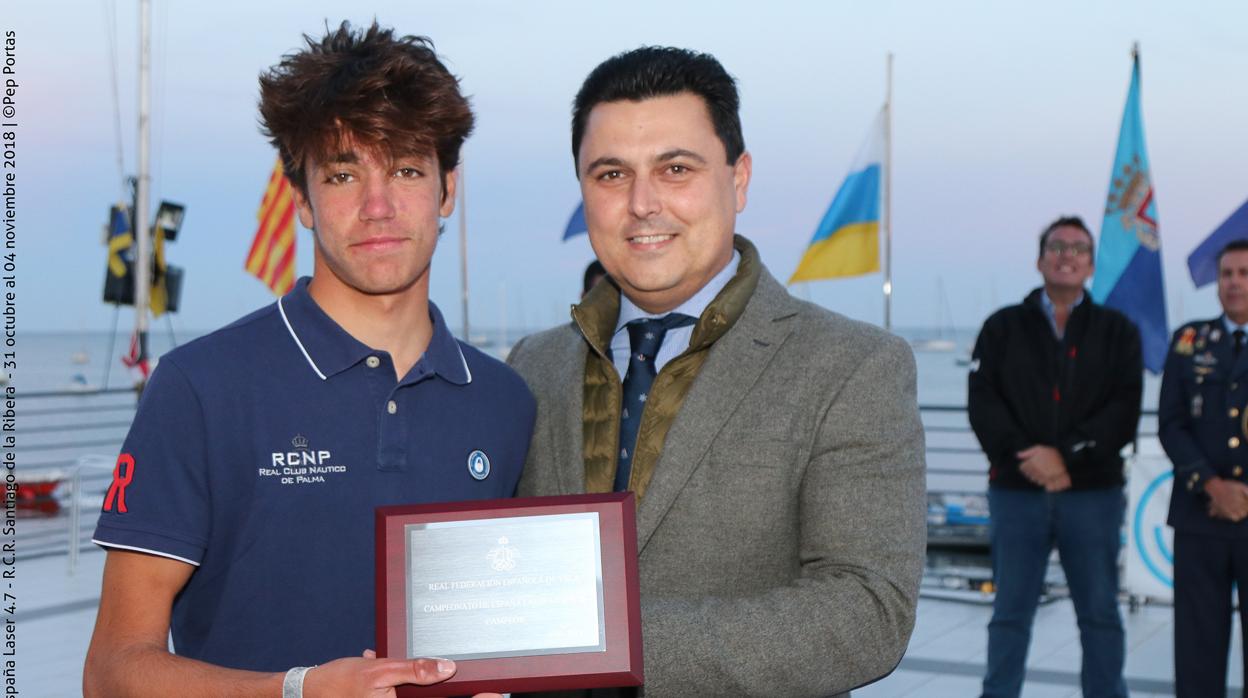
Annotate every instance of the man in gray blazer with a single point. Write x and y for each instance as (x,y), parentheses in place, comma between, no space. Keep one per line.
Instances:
(774,447)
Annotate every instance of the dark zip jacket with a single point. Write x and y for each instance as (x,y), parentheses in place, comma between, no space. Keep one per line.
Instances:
(1080,394)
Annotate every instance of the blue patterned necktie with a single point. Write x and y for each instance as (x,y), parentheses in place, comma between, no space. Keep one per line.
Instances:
(645,336)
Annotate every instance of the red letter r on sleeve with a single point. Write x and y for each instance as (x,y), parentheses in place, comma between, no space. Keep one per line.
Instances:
(118,488)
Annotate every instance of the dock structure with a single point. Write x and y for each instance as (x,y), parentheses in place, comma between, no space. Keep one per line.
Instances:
(78,435)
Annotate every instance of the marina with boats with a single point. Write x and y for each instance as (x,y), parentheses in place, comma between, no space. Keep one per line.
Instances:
(70,439)
(77,402)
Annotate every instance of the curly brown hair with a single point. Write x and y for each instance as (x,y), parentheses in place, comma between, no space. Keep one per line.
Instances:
(366,89)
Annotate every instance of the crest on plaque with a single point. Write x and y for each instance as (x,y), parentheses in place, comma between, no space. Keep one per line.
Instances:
(503,558)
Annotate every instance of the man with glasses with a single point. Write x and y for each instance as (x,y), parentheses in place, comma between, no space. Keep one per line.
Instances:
(1054,396)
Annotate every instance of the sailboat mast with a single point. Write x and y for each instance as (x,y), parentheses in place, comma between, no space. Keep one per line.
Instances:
(886,218)
(143,252)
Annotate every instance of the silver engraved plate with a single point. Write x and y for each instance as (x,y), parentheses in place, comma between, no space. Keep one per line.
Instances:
(506,587)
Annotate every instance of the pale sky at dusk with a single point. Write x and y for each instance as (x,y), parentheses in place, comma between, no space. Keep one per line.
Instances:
(1005,116)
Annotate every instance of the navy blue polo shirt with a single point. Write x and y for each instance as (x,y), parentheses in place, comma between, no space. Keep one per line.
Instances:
(258,454)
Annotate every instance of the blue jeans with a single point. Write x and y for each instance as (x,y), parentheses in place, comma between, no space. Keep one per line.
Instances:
(1085,526)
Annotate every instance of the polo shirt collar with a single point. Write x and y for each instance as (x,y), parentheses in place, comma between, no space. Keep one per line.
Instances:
(443,355)
(330,350)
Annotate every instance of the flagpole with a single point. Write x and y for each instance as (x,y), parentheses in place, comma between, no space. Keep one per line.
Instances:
(463,245)
(142,272)
(886,218)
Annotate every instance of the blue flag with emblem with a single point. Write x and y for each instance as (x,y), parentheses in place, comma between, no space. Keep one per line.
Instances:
(1202,263)
(576,224)
(1128,259)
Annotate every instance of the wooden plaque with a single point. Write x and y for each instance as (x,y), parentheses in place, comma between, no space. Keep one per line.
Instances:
(525,595)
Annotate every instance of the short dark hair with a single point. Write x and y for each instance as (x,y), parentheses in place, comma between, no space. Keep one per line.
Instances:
(1239,245)
(660,71)
(1062,222)
(386,94)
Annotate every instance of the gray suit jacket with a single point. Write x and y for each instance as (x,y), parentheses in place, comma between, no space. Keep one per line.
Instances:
(781,539)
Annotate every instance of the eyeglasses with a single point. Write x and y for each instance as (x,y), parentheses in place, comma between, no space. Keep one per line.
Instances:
(1073,249)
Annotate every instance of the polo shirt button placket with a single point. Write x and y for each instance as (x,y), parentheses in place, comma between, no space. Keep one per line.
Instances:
(392,434)
(372,362)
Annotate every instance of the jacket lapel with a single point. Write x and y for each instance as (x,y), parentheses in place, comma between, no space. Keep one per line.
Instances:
(569,429)
(732,368)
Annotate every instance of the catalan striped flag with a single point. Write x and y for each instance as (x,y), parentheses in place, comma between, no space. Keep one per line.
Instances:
(847,241)
(272,255)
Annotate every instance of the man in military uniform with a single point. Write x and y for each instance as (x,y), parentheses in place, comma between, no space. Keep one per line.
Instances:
(1201,416)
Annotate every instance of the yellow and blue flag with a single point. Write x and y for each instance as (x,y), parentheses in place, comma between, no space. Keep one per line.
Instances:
(1128,259)
(847,241)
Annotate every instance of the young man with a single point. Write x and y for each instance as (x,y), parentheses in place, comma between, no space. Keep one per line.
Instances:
(1201,413)
(241,514)
(775,447)
(1054,396)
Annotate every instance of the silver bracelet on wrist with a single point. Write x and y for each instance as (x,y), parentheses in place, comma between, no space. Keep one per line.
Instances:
(292,685)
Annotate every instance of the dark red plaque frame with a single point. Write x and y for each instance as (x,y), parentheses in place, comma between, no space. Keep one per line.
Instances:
(619,665)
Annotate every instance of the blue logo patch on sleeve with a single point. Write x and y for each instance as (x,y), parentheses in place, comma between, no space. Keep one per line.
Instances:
(478,465)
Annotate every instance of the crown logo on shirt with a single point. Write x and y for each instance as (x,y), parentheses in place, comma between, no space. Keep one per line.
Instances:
(300,441)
